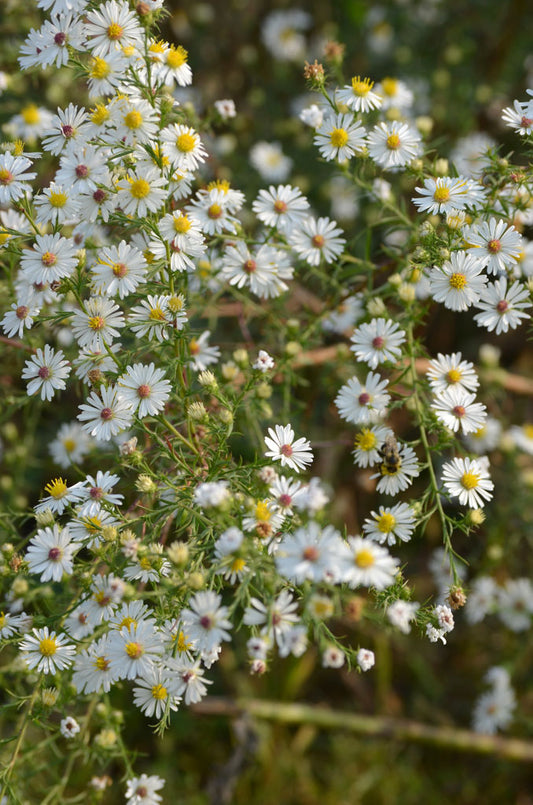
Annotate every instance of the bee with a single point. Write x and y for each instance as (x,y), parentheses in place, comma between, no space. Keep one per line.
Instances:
(390,453)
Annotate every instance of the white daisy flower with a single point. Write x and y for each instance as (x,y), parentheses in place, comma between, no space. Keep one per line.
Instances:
(50,259)
(393,145)
(139,194)
(367,564)
(154,319)
(457,409)
(400,613)
(282,447)
(111,27)
(98,324)
(395,94)
(459,283)
(19,317)
(118,270)
(450,371)
(51,553)
(70,445)
(285,494)
(390,525)
(183,146)
(340,137)
(359,96)
(518,118)
(503,308)
(10,624)
(47,651)
(362,403)
(365,659)
(310,553)
(97,489)
(282,207)
(133,651)
(495,244)
(104,75)
(57,203)
(202,354)
(212,209)
(67,128)
(143,790)
(69,727)
(13,177)
(205,621)
(270,162)
(275,618)
(187,679)
(106,415)
(46,372)
(151,694)
(92,669)
(377,342)
(367,444)
(317,239)
(468,480)
(59,496)
(145,389)
(89,528)
(443,194)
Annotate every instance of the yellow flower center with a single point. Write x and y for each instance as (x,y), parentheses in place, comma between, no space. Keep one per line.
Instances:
(31,115)
(126,622)
(366,440)
(18,150)
(48,646)
(214,211)
(528,431)
(219,184)
(139,188)
(458,282)
(114,31)
(93,524)
(101,663)
(119,270)
(453,376)
(176,56)
(134,650)
(96,322)
(99,114)
(145,563)
(48,259)
(133,119)
(364,558)
(99,68)
(58,199)
(469,480)
(442,193)
(389,86)
(194,347)
(156,314)
(262,512)
(159,692)
(6,177)
(361,87)
(2,620)
(386,522)
(237,565)
(176,303)
(182,224)
(56,488)
(393,142)
(186,142)
(338,138)
(182,643)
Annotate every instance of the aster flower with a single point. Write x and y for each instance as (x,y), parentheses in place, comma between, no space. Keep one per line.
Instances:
(467,479)
(119,269)
(106,415)
(270,162)
(317,239)
(51,553)
(13,177)
(20,316)
(70,445)
(365,659)
(459,283)
(394,479)
(390,525)
(495,244)
(104,75)
(133,651)
(310,553)
(206,621)
(377,342)
(450,371)
(457,409)
(282,207)
(515,604)
(358,95)
(442,195)
(89,528)
(202,354)
(98,324)
(67,128)
(394,94)
(187,679)
(143,790)
(145,389)
(285,494)
(367,444)
(519,118)
(139,194)
(183,146)
(154,318)
(47,651)
(339,137)
(46,372)
(110,27)
(263,270)
(97,489)
(275,618)
(361,403)
(57,204)
(50,259)
(503,308)
(59,496)
(363,563)
(151,694)
(282,447)
(393,145)
(10,624)
(400,613)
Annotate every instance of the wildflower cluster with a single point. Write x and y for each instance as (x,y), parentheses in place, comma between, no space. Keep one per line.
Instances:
(186,515)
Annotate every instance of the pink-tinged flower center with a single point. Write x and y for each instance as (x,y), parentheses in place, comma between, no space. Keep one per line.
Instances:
(318,241)
(44,372)
(82,171)
(54,554)
(378,342)
(276,619)
(48,259)
(249,266)
(285,500)
(60,38)
(82,619)
(6,177)
(141,791)
(99,196)
(21,312)
(286,450)
(494,246)
(96,322)
(206,622)
(526,122)
(459,410)
(115,31)
(364,398)
(280,206)
(144,391)
(119,270)
(214,211)
(106,414)
(67,130)
(502,306)
(134,651)
(96,492)
(187,676)
(311,553)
